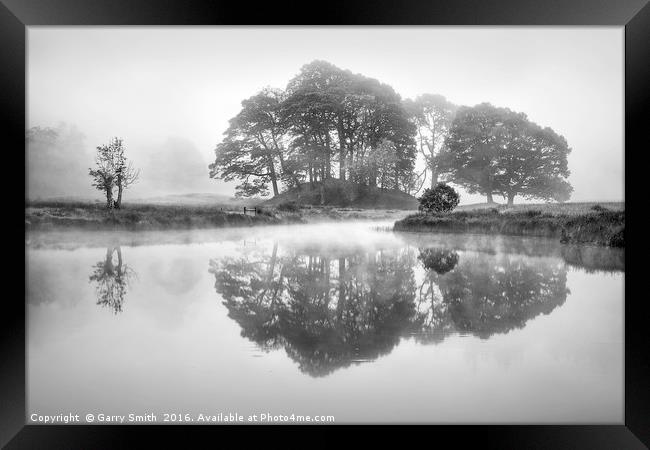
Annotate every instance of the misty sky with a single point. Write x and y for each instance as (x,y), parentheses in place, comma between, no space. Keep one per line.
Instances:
(170,91)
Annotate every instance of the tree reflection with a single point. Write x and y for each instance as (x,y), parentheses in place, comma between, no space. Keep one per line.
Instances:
(594,259)
(327,309)
(486,295)
(440,261)
(111,280)
(433,321)
(332,307)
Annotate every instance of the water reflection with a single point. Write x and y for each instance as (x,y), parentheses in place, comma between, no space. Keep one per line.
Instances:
(465,311)
(326,309)
(487,294)
(594,259)
(330,307)
(111,281)
(439,260)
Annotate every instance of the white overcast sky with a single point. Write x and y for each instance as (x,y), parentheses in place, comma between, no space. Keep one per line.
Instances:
(170,91)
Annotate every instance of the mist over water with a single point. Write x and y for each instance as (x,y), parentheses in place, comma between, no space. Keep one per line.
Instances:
(340,319)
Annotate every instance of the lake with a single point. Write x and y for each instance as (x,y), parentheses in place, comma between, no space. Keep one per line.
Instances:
(348,320)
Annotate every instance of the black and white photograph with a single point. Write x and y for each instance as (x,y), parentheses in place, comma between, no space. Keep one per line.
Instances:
(324,225)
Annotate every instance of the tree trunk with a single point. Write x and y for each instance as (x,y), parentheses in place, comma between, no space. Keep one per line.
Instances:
(328,158)
(396,178)
(292,174)
(373,179)
(350,163)
(342,151)
(489,197)
(434,178)
(274,178)
(511,199)
(109,198)
(120,188)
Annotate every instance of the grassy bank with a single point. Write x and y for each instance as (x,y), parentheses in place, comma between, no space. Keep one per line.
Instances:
(134,216)
(575,224)
(345,194)
(94,216)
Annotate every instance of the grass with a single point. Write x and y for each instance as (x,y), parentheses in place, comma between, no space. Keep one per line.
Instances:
(580,223)
(51,215)
(47,215)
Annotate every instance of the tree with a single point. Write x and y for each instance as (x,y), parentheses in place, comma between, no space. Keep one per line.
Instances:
(125,173)
(314,113)
(326,116)
(493,150)
(104,173)
(253,148)
(432,115)
(442,198)
(329,110)
(112,169)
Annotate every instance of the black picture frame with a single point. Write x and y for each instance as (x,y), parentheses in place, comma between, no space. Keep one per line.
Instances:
(16,15)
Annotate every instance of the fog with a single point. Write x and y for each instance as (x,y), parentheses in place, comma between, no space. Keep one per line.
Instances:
(176,166)
(169,92)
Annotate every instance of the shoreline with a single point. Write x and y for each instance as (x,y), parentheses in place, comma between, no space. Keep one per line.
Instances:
(600,227)
(148,217)
(586,223)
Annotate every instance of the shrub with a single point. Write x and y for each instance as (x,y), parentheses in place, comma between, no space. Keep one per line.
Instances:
(442,198)
(598,208)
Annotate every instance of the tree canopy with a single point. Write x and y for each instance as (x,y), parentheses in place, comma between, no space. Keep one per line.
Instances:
(432,115)
(331,123)
(441,198)
(493,150)
(326,121)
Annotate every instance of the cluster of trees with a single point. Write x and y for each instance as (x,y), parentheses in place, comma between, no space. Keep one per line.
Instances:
(327,123)
(328,307)
(113,171)
(331,123)
(496,151)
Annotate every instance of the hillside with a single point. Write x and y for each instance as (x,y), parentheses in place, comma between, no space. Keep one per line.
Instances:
(345,194)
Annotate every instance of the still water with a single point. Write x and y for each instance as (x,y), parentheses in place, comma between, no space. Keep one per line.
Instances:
(346,319)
